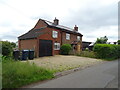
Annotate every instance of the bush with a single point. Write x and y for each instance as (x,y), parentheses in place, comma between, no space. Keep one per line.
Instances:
(118,50)
(16,74)
(105,51)
(65,49)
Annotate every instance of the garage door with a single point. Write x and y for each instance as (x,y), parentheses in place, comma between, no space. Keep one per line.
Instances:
(45,48)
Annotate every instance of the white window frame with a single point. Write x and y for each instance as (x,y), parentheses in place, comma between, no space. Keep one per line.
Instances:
(55,34)
(67,36)
(56,46)
(78,38)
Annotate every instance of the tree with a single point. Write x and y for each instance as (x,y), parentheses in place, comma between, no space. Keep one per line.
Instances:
(101,40)
(7,47)
(13,44)
(118,42)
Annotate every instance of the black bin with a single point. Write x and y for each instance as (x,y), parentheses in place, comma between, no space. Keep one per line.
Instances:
(31,54)
(25,54)
(16,54)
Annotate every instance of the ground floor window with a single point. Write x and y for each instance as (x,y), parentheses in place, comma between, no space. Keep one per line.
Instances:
(56,46)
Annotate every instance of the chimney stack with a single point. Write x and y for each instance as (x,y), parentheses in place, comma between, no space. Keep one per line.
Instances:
(76,28)
(56,21)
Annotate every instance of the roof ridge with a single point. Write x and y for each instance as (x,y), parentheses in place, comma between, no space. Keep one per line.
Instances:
(66,26)
(44,20)
(57,25)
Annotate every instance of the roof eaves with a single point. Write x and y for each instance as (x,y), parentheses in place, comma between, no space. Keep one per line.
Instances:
(27,38)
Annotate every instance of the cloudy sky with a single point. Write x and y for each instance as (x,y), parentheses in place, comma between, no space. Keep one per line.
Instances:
(95,18)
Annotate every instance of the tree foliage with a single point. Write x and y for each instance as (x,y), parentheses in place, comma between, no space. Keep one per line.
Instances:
(101,40)
(118,42)
(7,47)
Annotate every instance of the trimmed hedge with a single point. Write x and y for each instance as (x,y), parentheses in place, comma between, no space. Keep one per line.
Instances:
(65,49)
(105,51)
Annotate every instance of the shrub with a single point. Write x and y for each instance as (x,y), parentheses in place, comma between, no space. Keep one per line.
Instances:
(16,74)
(118,50)
(65,49)
(106,51)
(86,49)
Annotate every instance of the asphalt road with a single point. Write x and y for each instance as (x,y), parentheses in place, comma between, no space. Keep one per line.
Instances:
(103,75)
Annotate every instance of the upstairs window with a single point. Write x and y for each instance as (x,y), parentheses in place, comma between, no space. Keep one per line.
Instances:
(55,34)
(56,46)
(78,38)
(67,36)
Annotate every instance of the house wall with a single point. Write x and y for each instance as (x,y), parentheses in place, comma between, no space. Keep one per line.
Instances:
(40,24)
(48,36)
(73,37)
(28,44)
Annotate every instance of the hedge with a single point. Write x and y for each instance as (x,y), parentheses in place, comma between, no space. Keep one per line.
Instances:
(107,51)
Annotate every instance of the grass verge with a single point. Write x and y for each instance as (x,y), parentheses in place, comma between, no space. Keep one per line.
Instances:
(92,54)
(16,74)
(89,54)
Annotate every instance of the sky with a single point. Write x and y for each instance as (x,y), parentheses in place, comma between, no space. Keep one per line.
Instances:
(94,18)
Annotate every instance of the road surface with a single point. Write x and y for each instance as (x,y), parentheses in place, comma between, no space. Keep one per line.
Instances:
(103,75)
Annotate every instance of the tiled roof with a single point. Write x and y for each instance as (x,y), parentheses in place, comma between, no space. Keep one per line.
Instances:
(62,27)
(34,33)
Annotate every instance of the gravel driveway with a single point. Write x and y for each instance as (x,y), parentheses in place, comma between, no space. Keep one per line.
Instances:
(61,63)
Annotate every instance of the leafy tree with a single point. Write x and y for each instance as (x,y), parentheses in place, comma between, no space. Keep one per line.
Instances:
(13,44)
(118,42)
(101,40)
(7,47)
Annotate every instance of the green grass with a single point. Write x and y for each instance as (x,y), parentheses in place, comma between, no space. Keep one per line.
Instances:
(89,54)
(109,59)
(16,74)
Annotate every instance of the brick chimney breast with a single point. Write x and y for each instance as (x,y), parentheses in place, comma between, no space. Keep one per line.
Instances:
(56,21)
(76,28)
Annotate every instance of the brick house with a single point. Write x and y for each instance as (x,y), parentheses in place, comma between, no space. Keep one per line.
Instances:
(47,37)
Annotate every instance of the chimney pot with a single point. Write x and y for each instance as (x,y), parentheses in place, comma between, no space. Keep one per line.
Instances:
(56,21)
(76,28)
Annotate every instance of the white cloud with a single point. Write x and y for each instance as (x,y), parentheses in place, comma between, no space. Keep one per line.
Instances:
(95,18)
(110,31)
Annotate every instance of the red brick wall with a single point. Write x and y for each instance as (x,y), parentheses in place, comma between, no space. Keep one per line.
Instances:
(40,24)
(28,44)
(48,36)
(73,37)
